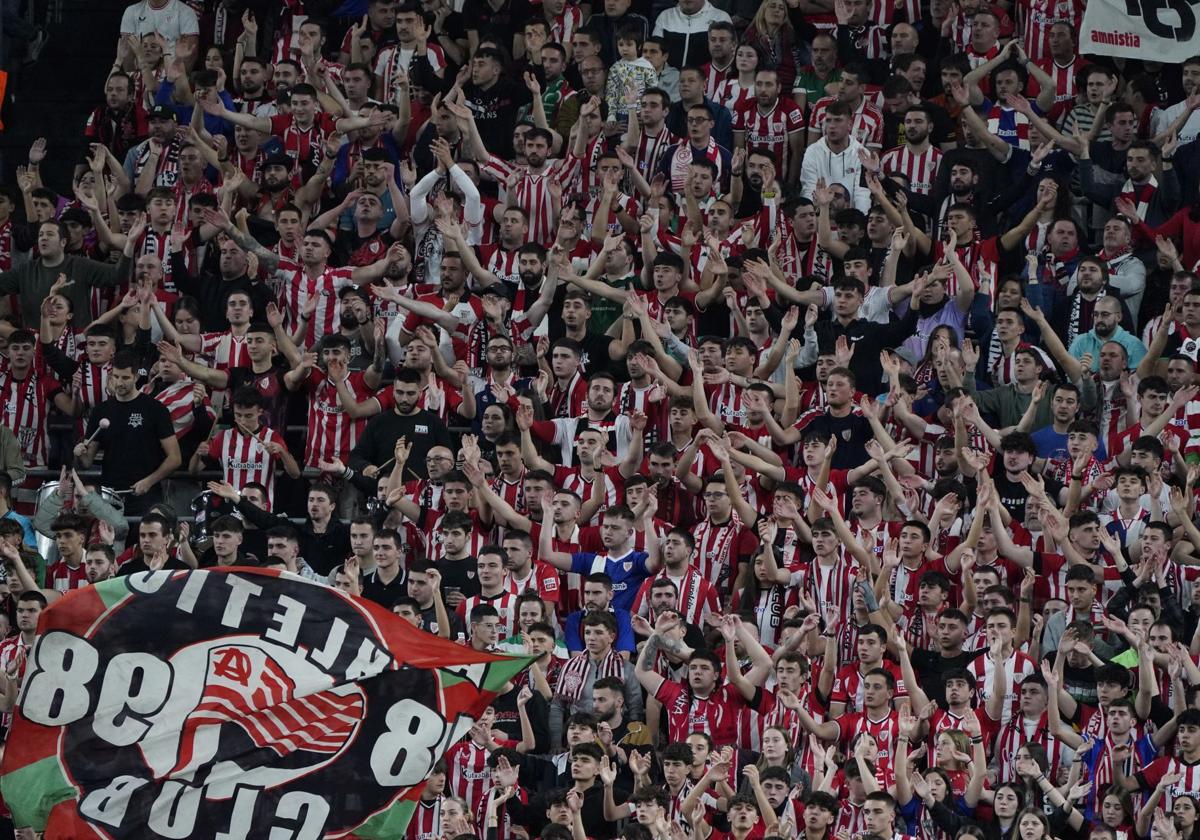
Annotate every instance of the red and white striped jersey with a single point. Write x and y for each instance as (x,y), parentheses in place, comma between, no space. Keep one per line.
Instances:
(570,478)
(24,404)
(1017,733)
(866,126)
(392,60)
(771,712)
(306,146)
(884,730)
(848,684)
(467,773)
(179,402)
(716,549)
(63,578)
(885,13)
(298,288)
(226,350)
(1017,667)
(725,401)
(505,603)
(830,586)
(652,149)
(1035,17)
(733,95)
(512,492)
(919,167)
(435,548)
(426,494)
(6,244)
(426,820)
(91,386)
(1066,88)
(697,597)
(850,818)
(501,261)
(565,24)
(796,259)
(533,190)
(331,432)
(715,77)
(245,458)
(770,130)
(1189,785)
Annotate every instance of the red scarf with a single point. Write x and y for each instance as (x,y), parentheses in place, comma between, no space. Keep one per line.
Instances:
(1140,196)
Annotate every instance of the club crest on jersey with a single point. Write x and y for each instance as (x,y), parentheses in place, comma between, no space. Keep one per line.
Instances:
(845,434)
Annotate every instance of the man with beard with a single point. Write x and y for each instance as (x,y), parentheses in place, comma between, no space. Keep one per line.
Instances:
(1150,191)
(623,434)
(421,428)
(375,173)
(120,120)
(536,184)
(158,154)
(962,179)
(918,159)
(1106,329)
(133,418)
(251,85)
(771,122)
(276,192)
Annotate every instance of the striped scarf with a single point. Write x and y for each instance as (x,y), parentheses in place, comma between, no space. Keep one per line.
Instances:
(1140,195)
(573,676)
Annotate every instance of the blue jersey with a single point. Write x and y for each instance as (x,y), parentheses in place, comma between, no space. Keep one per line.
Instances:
(627,573)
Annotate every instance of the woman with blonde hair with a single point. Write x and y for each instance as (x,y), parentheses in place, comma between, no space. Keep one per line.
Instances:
(772,32)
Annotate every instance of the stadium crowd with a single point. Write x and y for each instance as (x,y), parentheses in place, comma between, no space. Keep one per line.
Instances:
(811,385)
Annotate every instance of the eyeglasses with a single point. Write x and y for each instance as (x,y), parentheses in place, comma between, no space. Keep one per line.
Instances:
(713,495)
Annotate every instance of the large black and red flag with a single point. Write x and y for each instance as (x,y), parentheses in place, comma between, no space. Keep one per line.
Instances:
(234,703)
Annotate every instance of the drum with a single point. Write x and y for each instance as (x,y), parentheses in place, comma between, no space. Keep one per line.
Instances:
(46,545)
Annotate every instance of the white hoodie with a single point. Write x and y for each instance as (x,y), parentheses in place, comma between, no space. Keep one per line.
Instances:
(836,168)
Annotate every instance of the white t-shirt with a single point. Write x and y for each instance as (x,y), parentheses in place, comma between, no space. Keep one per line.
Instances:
(173,21)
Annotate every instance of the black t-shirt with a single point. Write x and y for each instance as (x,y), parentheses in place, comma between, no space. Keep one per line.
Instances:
(852,433)
(495,111)
(386,594)
(1013,495)
(931,665)
(131,441)
(270,387)
(500,23)
(430,625)
(460,575)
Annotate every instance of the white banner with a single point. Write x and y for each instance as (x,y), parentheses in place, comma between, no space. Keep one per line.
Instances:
(1154,30)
